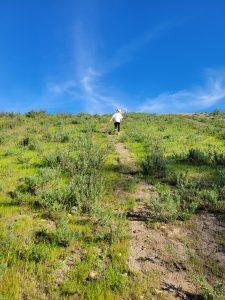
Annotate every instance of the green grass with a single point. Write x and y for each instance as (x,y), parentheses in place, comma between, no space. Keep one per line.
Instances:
(37,239)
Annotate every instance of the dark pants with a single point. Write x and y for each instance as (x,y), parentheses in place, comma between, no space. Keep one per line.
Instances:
(117,126)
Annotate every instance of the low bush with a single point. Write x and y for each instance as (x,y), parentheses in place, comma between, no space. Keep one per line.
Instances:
(33,113)
(179,204)
(85,185)
(47,136)
(62,137)
(136,137)
(188,190)
(74,121)
(210,292)
(217,112)
(30,184)
(197,157)
(166,207)
(59,136)
(60,236)
(53,198)
(155,164)
(38,253)
(210,199)
(32,130)
(219,158)
(220,178)
(56,159)
(30,143)
(90,127)
(86,190)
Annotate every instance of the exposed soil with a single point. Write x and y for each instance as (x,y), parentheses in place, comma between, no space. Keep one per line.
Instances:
(126,160)
(168,248)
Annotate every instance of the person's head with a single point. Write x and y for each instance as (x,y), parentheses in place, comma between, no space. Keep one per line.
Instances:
(118,110)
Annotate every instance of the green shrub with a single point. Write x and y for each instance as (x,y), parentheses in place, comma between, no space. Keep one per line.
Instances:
(9,152)
(89,156)
(217,112)
(218,158)
(197,157)
(210,292)
(109,129)
(178,204)
(62,137)
(188,191)
(57,159)
(30,184)
(220,178)
(61,236)
(210,198)
(33,113)
(47,136)
(53,198)
(74,121)
(32,130)
(166,207)
(136,137)
(87,189)
(155,164)
(88,182)
(30,143)
(38,252)
(47,174)
(84,171)
(90,127)
(174,178)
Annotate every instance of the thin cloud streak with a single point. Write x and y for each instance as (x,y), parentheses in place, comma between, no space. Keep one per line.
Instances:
(196,99)
(96,99)
(88,84)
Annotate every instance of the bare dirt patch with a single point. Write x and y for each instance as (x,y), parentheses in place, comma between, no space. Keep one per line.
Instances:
(125,159)
(169,248)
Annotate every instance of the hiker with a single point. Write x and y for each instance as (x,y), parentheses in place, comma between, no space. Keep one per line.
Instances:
(117,118)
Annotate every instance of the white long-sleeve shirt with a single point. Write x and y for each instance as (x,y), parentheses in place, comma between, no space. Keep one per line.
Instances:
(117,117)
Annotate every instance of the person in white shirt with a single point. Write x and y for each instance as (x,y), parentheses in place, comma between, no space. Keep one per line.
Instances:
(117,118)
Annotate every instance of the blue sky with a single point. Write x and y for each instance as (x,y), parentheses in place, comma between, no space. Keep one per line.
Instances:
(92,56)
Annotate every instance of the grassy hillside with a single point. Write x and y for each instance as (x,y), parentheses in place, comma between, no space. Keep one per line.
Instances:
(76,201)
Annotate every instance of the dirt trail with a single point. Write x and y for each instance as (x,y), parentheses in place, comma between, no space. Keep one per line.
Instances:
(126,160)
(164,250)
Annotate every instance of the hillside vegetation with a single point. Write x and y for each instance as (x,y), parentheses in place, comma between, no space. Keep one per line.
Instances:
(86,214)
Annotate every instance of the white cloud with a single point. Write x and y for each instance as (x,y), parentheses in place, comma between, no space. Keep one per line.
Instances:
(58,89)
(96,99)
(87,82)
(193,99)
